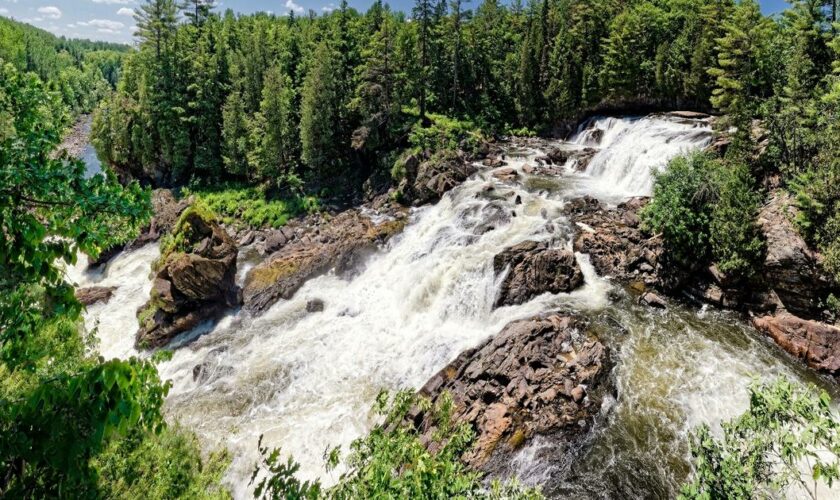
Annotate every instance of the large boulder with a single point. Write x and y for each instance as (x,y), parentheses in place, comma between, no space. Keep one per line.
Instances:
(533,268)
(791,269)
(94,294)
(428,180)
(816,343)
(539,376)
(194,280)
(615,242)
(340,244)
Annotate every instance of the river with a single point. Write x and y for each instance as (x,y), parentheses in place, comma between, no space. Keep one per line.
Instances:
(307,381)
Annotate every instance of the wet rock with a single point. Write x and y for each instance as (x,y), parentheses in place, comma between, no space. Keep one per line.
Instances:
(818,344)
(791,269)
(341,244)
(93,294)
(434,177)
(493,215)
(543,375)
(193,282)
(275,241)
(534,268)
(616,245)
(494,162)
(653,300)
(506,174)
(314,305)
(211,368)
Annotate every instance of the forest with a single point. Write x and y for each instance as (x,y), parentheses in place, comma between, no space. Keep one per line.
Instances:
(268,117)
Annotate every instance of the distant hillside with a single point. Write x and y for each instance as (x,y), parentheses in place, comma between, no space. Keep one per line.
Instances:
(82,71)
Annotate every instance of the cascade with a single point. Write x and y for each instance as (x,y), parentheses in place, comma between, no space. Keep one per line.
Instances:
(306,381)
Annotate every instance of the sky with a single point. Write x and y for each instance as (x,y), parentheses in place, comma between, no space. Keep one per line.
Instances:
(112,20)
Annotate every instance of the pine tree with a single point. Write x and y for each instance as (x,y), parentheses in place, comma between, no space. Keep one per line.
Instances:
(274,136)
(743,73)
(235,135)
(423,16)
(375,99)
(319,136)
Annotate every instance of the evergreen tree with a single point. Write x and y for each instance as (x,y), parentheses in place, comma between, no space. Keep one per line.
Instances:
(274,136)
(745,66)
(320,143)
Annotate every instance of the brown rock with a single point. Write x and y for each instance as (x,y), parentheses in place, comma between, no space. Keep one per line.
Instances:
(506,174)
(193,283)
(818,344)
(653,300)
(343,241)
(510,387)
(93,294)
(533,269)
(790,268)
(434,177)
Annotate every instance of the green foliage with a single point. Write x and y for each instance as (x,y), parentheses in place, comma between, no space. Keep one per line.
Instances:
(163,465)
(237,203)
(746,64)
(62,408)
(763,451)
(736,241)
(81,72)
(444,134)
(682,205)
(706,208)
(392,462)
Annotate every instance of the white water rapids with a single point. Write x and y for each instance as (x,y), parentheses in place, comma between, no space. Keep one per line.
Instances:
(307,380)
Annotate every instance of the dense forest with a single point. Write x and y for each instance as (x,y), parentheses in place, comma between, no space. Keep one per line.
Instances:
(80,71)
(329,106)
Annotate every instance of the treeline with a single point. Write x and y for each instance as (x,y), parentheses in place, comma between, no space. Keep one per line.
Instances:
(81,71)
(288,100)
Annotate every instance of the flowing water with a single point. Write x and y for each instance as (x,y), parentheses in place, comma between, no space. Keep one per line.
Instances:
(307,380)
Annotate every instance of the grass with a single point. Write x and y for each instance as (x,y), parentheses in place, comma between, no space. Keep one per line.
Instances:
(248,205)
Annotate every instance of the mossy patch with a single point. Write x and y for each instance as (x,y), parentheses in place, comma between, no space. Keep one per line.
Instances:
(263,277)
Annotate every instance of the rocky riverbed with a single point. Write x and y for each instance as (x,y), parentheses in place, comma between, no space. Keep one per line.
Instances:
(569,341)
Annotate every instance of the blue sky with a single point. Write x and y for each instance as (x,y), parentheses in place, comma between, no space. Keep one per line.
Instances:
(112,20)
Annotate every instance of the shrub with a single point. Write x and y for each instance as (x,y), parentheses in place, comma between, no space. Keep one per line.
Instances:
(736,242)
(681,208)
(250,206)
(762,451)
(392,462)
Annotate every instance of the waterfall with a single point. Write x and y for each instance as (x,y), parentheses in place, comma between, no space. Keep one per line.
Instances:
(630,150)
(306,381)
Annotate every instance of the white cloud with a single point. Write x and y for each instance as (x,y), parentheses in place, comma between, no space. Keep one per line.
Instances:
(112,2)
(4,10)
(291,5)
(125,11)
(109,31)
(71,25)
(328,7)
(102,23)
(50,11)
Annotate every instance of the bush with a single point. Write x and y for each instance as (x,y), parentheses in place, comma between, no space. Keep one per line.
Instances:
(165,465)
(762,451)
(445,133)
(392,462)
(681,208)
(248,205)
(706,208)
(737,246)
